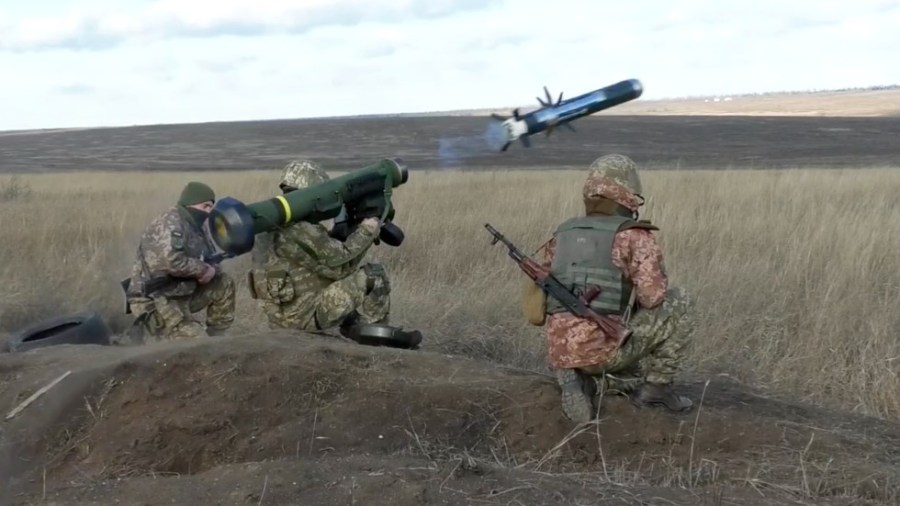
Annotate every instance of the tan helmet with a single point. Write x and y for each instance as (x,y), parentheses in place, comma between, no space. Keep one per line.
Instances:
(615,178)
(620,169)
(302,174)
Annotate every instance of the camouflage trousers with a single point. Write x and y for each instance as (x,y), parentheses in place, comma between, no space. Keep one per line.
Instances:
(170,318)
(363,297)
(656,349)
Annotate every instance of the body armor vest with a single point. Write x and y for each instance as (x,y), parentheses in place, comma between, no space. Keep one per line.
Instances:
(583,258)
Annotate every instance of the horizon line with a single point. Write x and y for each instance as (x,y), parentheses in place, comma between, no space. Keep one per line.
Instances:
(478,111)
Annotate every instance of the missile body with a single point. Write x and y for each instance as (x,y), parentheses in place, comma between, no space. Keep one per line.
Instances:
(550,115)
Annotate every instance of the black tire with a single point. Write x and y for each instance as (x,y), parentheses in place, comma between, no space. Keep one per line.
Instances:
(81,328)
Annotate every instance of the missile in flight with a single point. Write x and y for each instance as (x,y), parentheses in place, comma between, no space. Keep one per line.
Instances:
(506,130)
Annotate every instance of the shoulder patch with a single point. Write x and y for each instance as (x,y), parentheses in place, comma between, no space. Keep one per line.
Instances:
(177,240)
(644,224)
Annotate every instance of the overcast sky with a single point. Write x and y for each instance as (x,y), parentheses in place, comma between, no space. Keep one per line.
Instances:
(69,63)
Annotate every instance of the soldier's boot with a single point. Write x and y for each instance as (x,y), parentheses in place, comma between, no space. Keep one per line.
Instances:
(348,325)
(413,338)
(654,394)
(577,395)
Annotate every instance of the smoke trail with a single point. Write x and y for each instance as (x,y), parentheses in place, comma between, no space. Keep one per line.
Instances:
(453,151)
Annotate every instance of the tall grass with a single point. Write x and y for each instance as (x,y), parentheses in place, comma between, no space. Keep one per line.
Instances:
(794,272)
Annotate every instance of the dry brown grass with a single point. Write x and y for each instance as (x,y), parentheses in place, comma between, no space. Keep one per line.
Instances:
(794,271)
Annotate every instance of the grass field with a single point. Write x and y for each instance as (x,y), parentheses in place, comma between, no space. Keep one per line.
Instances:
(793,271)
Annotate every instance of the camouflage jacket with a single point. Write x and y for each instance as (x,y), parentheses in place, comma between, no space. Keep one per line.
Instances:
(577,342)
(172,245)
(307,248)
(309,259)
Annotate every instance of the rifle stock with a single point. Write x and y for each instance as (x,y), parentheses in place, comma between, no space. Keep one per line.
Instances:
(578,306)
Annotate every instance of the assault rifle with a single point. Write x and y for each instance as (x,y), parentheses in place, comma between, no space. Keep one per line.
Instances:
(158,282)
(552,286)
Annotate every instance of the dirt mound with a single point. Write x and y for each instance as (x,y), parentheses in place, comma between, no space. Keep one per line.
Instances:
(281,419)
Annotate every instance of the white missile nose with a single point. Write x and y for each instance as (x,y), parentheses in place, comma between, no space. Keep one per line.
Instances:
(636,86)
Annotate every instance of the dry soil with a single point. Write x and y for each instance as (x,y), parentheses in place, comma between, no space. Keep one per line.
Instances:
(313,419)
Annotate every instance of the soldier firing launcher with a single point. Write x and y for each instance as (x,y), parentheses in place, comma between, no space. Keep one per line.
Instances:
(351,198)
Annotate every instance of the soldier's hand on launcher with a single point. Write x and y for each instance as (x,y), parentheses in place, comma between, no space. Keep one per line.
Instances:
(370,223)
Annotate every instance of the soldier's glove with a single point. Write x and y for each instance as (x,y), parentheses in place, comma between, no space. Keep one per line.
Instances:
(371,223)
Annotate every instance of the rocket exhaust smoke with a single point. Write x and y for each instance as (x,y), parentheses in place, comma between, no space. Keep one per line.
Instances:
(502,131)
(453,150)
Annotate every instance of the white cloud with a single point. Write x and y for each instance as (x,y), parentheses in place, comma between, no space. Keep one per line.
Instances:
(175,61)
(103,26)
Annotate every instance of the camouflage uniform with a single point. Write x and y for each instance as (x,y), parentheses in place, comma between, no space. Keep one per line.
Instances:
(172,247)
(658,315)
(307,280)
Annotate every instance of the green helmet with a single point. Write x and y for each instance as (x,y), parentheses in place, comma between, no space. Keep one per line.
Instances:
(620,169)
(302,174)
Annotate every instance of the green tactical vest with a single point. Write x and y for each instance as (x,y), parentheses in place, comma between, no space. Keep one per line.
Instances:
(583,258)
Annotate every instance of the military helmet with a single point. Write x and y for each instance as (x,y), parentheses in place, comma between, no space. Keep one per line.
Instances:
(302,174)
(620,169)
